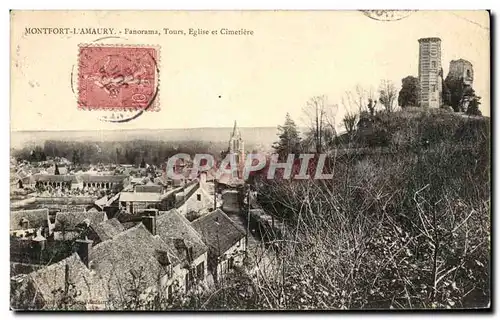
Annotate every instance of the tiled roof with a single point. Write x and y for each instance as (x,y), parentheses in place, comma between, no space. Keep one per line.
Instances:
(136,180)
(171,192)
(139,197)
(70,220)
(148,188)
(104,178)
(218,231)
(21,174)
(55,178)
(52,277)
(131,254)
(112,199)
(101,202)
(108,229)
(62,170)
(171,226)
(36,218)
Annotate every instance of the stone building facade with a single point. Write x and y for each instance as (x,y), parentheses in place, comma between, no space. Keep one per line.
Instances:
(461,69)
(430,72)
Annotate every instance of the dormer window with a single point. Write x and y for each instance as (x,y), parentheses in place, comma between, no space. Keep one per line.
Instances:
(24,223)
(468,73)
(163,258)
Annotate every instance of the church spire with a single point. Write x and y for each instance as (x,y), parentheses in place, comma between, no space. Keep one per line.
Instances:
(236,131)
(235,128)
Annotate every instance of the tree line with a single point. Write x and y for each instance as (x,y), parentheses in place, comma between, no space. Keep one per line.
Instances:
(360,107)
(135,152)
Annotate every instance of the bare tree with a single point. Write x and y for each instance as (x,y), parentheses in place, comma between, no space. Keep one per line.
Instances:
(350,102)
(329,130)
(358,97)
(388,94)
(349,121)
(320,117)
(372,100)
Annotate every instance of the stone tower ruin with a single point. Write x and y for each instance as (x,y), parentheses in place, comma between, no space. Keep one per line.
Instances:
(430,72)
(462,69)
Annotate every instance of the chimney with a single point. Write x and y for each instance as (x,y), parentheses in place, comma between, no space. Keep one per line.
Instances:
(150,223)
(84,248)
(39,241)
(189,254)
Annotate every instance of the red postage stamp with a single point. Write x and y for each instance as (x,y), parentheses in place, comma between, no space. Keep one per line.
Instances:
(117,78)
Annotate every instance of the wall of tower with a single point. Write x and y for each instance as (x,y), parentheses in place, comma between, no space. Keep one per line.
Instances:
(429,68)
(462,69)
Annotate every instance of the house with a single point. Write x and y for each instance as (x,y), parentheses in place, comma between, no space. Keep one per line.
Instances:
(149,187)
(101,203)
(23,178)
(225,239)
(197,201)
(65,285)
(135,263)
(70,225)
(26,223)
(27,255)
(169,199)
(230,200)
(111,207)
(176,231)
(63,170)
(104,182)
(135,202)
(105,230)
(56,181)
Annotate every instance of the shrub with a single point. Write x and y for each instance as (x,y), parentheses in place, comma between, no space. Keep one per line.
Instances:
(407,229)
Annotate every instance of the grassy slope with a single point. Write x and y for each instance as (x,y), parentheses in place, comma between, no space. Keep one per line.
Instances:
(405,229)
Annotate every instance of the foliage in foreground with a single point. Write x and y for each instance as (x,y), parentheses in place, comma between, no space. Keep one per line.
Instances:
(408,229)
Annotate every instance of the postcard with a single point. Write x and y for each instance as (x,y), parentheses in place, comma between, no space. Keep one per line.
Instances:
(250,160)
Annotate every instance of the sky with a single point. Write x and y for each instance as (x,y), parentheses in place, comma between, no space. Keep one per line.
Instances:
(210,81)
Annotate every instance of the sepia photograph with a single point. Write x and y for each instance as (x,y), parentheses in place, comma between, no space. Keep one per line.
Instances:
(250,160)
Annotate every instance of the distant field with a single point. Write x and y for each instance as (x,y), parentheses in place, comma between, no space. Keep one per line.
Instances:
(262,137)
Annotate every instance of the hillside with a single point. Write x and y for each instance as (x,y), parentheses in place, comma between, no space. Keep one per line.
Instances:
(406,228)
(416,128)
